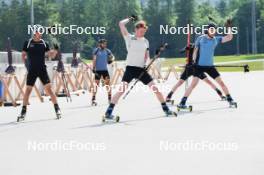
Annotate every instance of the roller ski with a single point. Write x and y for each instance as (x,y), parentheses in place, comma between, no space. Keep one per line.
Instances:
(21,117)
(110,118)
(171,113)
(58,114)
(183,107)
(232,103)
(94,103)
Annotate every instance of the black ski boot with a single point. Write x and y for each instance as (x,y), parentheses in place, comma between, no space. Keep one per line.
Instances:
(167,111)
(57,111)
(232,103)
(22,115)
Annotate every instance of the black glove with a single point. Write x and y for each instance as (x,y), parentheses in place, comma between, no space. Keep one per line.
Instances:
(228,23)
(133,18)
(56,47)
(93,70)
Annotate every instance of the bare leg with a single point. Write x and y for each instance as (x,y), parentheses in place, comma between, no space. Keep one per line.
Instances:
(179,83)
(160,97)
(212,85)
(194,83)
(108,88)
(158,94)
(206,80)
(188,92)
(95,89)
(115,99)
(25,102)
(27,94)
(120,92)
(53,97)
(49,92)
(225,89)
(222,84)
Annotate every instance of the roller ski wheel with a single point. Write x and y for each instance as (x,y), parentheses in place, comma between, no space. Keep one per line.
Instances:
(171,114)
(21,118)
(110,118)
(233,104)
(94,103)
(185,108)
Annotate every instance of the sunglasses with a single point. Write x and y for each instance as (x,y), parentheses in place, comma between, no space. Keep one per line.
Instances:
(141,26)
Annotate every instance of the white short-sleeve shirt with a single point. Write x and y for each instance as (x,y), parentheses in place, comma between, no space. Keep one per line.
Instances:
(136,50)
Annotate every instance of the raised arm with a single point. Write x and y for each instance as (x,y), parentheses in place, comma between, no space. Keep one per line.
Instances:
(229,35)
(122,26)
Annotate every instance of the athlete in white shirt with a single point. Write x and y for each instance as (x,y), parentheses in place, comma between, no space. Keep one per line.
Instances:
(137,55)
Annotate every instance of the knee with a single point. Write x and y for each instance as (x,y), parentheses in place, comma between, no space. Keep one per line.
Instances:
(155,89)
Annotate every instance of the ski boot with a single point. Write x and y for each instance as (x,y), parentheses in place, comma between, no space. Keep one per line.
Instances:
(108,114)
(94,103)
(21,117)
(219,92)
(57,111)
(167,111)
(168,98)
(232,103)
(58,114)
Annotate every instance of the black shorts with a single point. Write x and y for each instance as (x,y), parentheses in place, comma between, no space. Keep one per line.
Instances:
(210,70)
(189,71)
(41,74)
(134,72)
(101,73)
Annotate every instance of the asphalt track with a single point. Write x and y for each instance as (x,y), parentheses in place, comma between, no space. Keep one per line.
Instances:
(213,139)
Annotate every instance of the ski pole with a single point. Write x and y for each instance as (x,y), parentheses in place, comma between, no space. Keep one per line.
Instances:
(158,52)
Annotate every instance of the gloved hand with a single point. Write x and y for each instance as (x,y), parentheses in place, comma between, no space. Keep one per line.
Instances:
(133,18)
(228,23)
